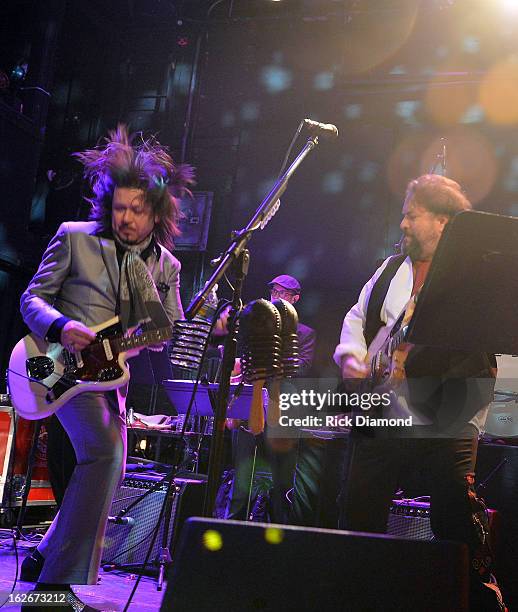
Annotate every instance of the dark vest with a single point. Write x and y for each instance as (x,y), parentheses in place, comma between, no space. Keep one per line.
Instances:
(373,322)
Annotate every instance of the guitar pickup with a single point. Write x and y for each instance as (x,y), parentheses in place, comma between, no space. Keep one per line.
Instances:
(107,349)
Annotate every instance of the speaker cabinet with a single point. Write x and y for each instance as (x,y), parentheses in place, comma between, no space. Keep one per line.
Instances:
(195,221)
(232,565)
(410,519)
(125,544)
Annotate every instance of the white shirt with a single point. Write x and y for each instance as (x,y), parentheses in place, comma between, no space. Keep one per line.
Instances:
(352,340)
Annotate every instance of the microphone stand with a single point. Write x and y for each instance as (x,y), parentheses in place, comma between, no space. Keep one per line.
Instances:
(237,256)
(440,157)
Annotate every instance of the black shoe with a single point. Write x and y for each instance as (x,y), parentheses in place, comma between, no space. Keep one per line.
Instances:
(31,567)
(71,602)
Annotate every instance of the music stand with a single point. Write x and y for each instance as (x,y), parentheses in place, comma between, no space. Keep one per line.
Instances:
(469,300)
(180,391)
(147,370)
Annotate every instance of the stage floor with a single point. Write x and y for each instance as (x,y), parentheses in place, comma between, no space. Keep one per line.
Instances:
(111,593)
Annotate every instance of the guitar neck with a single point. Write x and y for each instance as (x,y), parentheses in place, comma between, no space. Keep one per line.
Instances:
(154,336)
(398,337)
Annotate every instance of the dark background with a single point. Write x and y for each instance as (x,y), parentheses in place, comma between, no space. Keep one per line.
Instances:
(225,85)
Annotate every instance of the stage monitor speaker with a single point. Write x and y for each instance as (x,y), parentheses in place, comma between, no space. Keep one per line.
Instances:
(233,565)
(125,544)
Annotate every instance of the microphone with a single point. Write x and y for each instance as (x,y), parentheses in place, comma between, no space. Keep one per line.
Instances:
(190,337)
(327,130)
(259,329)
(122,520)
(290,362)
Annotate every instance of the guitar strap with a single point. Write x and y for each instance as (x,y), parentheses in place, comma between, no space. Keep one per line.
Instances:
(373,322)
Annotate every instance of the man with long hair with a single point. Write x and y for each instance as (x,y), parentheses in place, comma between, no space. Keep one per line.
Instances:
(119,263)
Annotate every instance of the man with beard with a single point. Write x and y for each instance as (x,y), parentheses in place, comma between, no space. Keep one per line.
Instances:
(439,377)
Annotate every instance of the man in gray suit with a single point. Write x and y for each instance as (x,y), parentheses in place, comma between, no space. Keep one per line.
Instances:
(116,264)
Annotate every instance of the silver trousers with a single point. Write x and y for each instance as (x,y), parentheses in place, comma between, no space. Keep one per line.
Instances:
(73,544)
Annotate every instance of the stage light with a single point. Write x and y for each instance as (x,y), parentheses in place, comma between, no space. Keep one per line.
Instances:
(509,5)
(19,72)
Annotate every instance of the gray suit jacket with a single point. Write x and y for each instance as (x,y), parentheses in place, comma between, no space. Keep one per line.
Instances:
(79,278)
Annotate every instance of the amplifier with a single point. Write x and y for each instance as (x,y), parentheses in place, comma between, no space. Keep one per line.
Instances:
(14,457)
(129,543)
(410,519)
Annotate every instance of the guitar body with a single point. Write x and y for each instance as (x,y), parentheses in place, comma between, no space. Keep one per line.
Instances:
(43,376)
(388,352)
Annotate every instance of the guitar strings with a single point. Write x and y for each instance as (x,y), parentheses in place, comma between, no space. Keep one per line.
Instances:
(29,378)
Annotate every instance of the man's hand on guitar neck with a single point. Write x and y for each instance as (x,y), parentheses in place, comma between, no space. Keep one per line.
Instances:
(353,368)
(75,336)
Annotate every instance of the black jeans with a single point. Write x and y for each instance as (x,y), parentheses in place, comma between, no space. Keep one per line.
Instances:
(374,468)
(318,478)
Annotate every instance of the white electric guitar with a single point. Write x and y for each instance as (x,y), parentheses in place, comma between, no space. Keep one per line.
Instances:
(43,376)
(389,350)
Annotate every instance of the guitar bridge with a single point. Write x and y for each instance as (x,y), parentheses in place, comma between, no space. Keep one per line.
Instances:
(39,367)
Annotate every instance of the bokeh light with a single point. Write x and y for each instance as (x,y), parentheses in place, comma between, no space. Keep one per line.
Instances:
(446,103)
(212,540)
(353,111)
(368,42)
(276,79)
(333,182)
(273,535)
(407,109)
(470,160)
(499,92)
(324,81)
